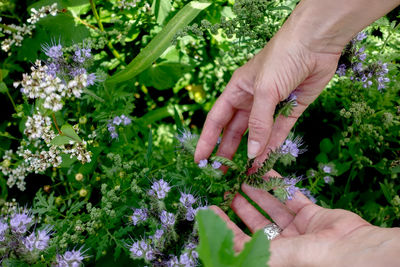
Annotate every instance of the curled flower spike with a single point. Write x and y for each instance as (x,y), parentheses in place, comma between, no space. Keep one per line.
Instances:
(20,222)
(167,218)
(53,50)
(139,215)
(292,146)
(216,165)
(70,258)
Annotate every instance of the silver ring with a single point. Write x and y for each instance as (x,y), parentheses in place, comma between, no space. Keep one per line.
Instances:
(272,231)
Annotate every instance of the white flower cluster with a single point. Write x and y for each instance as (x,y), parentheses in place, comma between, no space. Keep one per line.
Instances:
(79,151)
(37,127)
(40,84)
(127,4)
(17,33)
(41,155)
(36,15)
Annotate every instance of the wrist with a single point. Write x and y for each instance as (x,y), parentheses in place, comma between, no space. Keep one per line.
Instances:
(327,26)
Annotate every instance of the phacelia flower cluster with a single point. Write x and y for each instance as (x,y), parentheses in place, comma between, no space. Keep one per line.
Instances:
(112,125)
(361,70)
(18,241)
(15,34)
(152,248)
(70,258)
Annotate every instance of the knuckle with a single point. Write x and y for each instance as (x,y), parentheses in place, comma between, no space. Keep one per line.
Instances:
(257,125)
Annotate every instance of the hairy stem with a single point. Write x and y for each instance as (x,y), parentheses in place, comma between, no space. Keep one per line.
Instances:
(55,123)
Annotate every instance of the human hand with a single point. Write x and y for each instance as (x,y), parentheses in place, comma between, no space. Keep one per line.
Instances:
(312,235)
(255,89)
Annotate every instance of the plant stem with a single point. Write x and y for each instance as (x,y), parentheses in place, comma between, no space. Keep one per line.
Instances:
(55,122)
(109,44)
(12,100)
(387,38)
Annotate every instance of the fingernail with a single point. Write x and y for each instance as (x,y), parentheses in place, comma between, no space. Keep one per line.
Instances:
(252,149)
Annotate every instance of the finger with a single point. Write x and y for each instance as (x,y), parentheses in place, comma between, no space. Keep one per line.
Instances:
(253,219)
(217,119)
(233,134)
(279,213)
(261,119)
(240,238)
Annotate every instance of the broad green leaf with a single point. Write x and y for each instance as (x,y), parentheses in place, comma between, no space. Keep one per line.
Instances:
(322,157)
(255,253)
(60,140)
(326,145)
(68,134)
(159,43)
(161,9)
(395,169)
(216,240)
(67,130)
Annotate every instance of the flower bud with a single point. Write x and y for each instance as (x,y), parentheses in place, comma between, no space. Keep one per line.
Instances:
(83,120)
(59,201)
(83,192)
(47,188)
(79,177)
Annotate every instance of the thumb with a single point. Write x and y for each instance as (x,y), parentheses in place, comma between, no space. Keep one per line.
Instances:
(261,119)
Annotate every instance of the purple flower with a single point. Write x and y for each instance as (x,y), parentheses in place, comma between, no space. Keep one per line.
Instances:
(110,127)
(357,67)
(3,229)
(70,258)
(327,169)
(125,120)
(341,70)
(328,179)
(160,189)
(186,260)
(185,136)
(173,262)
(91,78)
(39,241)
(82,54)
(150,255)
(203,163)
(292,147)
(117,120)
(77,71)
(292,98)
(216,165)
(187,200)
(53,69)
(167,218)
(135,250)
(20,222)
(158,234)
(114,135)
(54,51)
(190,214)
(361,36)
(139,215)
(291,187)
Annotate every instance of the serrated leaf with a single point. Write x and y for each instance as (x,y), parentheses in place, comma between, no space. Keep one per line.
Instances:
(216,240)
(256,252)
(159,43)
(161,9)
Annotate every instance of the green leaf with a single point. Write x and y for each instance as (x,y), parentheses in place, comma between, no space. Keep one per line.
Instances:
(216,240)
(326,145)
(3,73)
(60,140)
(3,88)
(68,134)
(255,252)
(159,43)
(149,147)
(164,75)
(161,9)
(67,130)
(216,244)
(322,157)
(386,192)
